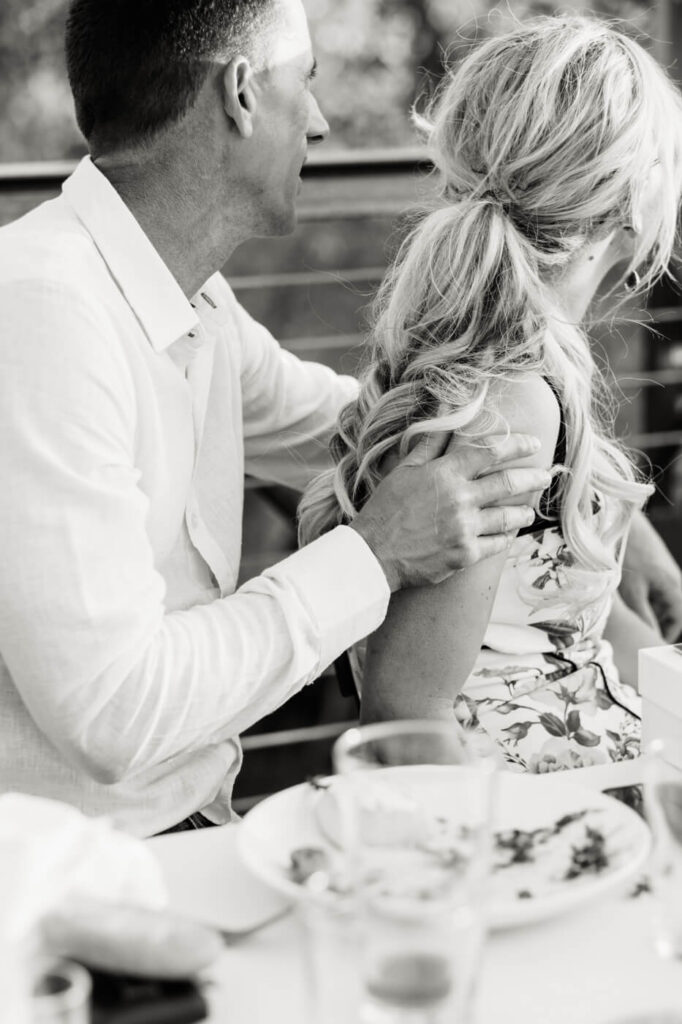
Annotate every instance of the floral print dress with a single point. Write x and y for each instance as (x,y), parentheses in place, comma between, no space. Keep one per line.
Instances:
(544,687)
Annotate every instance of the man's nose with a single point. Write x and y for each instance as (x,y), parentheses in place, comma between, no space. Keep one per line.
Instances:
(318,129)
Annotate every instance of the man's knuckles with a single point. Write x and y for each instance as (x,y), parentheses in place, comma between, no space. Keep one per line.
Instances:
(466,554)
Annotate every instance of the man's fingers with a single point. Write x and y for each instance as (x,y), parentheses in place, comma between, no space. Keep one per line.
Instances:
(471,460)
(428,447)
(493,450)
(506,482)
(504,519)
(493,545)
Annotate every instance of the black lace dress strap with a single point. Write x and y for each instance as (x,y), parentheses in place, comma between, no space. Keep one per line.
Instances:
(549,512)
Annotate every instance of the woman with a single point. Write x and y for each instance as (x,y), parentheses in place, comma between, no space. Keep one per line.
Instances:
(558,148)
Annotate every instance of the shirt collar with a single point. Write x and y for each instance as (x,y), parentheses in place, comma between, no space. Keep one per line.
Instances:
(150,289)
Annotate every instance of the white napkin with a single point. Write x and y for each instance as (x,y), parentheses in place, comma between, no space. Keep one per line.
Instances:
(51,855)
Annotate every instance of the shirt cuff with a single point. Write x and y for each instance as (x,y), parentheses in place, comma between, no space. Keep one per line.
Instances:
(342,586)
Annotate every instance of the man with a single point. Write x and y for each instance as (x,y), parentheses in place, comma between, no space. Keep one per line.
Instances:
(134,391)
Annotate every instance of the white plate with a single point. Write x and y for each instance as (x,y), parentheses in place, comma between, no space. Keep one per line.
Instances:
(289,820)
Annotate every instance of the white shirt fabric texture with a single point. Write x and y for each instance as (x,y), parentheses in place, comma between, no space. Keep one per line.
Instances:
(128,417)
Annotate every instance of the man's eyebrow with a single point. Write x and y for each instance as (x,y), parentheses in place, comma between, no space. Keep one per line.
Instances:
(313,69)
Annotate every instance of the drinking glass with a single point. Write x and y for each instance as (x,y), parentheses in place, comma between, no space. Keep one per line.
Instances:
(15,975)
(331,950)
(61,993)
(663,807)
(414,815)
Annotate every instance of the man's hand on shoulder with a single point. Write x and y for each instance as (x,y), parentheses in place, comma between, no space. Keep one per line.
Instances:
(436,512)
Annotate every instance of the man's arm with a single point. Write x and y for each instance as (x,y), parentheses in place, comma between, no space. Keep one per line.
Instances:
(652,582)
(116,683)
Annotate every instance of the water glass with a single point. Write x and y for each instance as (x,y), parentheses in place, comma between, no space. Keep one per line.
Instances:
(663,806)
(16,954)
(331,947)
(415,808)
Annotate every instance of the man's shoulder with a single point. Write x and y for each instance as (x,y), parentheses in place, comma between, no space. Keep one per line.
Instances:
(47,244)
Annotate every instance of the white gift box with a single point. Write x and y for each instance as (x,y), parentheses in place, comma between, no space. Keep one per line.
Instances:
(660,686)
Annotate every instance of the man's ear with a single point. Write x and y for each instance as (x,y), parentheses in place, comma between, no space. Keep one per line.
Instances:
(239,98)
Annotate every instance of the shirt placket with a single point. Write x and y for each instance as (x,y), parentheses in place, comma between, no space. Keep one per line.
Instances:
(198,375)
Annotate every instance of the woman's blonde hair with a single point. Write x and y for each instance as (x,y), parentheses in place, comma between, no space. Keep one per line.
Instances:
(543,139)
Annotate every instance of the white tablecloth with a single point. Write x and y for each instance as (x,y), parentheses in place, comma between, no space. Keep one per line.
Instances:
(591,966)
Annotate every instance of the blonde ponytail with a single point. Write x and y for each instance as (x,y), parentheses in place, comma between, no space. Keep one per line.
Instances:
(541,140)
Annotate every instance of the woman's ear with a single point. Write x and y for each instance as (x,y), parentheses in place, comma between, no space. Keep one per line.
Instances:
(239,98)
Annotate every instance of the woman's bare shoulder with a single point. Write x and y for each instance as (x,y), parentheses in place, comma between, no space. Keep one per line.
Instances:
(527,405)
(525,401)
(524,405)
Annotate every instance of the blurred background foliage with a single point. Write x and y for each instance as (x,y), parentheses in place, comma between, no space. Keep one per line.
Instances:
(376,58)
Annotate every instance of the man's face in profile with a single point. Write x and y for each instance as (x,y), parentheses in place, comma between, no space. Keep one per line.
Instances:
(288,121)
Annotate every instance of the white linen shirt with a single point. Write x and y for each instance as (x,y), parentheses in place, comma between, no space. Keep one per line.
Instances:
(128,416)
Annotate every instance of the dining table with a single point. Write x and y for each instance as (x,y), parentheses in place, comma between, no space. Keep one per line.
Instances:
(594,964)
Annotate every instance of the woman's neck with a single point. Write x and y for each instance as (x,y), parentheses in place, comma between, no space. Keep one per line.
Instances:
(578,286)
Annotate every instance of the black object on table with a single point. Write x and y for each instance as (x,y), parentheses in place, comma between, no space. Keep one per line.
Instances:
(631,796)
(122,999)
